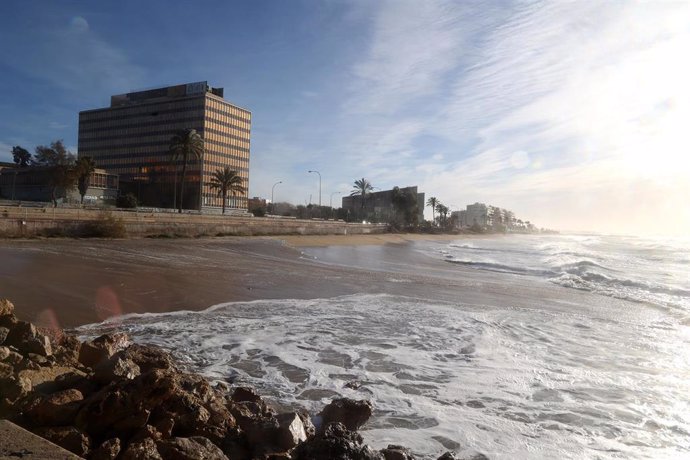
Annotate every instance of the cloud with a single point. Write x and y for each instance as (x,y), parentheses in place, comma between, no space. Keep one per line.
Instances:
(75,58)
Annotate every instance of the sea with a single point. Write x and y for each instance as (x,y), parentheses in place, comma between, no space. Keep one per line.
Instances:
(606,376)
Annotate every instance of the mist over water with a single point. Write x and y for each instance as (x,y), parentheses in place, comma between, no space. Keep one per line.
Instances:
(508,382)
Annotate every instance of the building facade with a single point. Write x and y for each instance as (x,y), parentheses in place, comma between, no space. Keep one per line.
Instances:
(32,184)
(378,206)
(131,138)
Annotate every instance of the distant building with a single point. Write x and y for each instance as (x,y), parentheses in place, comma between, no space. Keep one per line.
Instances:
(31,184)
(474,214)
(131,138)
(378,206)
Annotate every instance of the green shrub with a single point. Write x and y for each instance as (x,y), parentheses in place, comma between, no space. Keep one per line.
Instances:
(128,201)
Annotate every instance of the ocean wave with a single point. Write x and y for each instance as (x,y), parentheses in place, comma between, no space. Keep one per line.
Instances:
(491,266)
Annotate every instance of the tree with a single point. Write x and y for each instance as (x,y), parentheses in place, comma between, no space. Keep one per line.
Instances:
(226,180)
(362,187)
(83,169)
(442,213)
(405,205)
(183,145)
(59,165)
(21,156)
(433,202)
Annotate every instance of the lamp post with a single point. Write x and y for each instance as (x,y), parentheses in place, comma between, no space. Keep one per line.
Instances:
(319,184)
(272,190)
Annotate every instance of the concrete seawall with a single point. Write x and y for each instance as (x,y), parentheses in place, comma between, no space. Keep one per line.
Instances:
(37,221)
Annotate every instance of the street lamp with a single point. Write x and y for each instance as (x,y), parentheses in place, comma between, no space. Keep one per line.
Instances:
(319,185)
(272,190)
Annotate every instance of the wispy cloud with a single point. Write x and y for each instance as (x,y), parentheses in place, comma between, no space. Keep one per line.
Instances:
(73,57)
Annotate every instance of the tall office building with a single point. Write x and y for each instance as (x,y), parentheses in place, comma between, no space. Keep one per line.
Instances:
(132,137)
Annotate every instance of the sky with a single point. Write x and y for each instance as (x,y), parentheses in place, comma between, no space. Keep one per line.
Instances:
(574,115)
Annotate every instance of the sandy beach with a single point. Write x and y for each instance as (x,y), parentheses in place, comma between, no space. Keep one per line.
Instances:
(66,283)
(71,282)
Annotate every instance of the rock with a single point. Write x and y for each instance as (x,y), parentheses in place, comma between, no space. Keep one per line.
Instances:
(14,388)
(20,332)
(3,334)
(67,437)
(309,427)
(393,452)
(351,413)
(66,351)
(148,431)
(100,349)
(59,408)
(448,456)
(4,353)
(6,371)
(336,442)
(41,360)
(40,345)
(109,450)
(242,394)
(142,450)
(6,308)
(165,426)
(8,321)
(13,357)
(291,431)
(115,369)
(148,358)
(194,448)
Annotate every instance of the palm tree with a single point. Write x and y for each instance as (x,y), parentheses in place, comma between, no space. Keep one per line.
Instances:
(433,202)
(362,187)
(226,180)
(184,144)
(83,168)
(442,213)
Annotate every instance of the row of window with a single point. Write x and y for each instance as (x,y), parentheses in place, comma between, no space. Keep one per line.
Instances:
(225,106)
(86,148)
(141,110)
(162,137)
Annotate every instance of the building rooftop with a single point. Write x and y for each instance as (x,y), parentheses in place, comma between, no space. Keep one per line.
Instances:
(167,92)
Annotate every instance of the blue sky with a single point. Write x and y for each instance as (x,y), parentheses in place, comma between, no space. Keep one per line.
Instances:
(573,115)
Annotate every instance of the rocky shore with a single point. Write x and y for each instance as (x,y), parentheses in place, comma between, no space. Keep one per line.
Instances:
(109,398)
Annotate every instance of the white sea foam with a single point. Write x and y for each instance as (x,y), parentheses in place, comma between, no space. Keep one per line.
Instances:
(512,383)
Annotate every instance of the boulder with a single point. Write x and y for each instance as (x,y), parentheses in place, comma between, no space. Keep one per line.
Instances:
(93,352)
(194,448)
(351,413)
(393,452)
(67,437)
(39,345)
(291,431)
(13,357)
(6,371)
(142,450)
(115,369)
(6,308)
(59,408)
(15,387)
(448,456)
(26,338)
(335,442)
(3,334)
(242,394)
(109,450)
(4,353)
(148,358)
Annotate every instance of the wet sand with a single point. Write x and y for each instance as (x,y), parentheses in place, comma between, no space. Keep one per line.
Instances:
(67,283)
